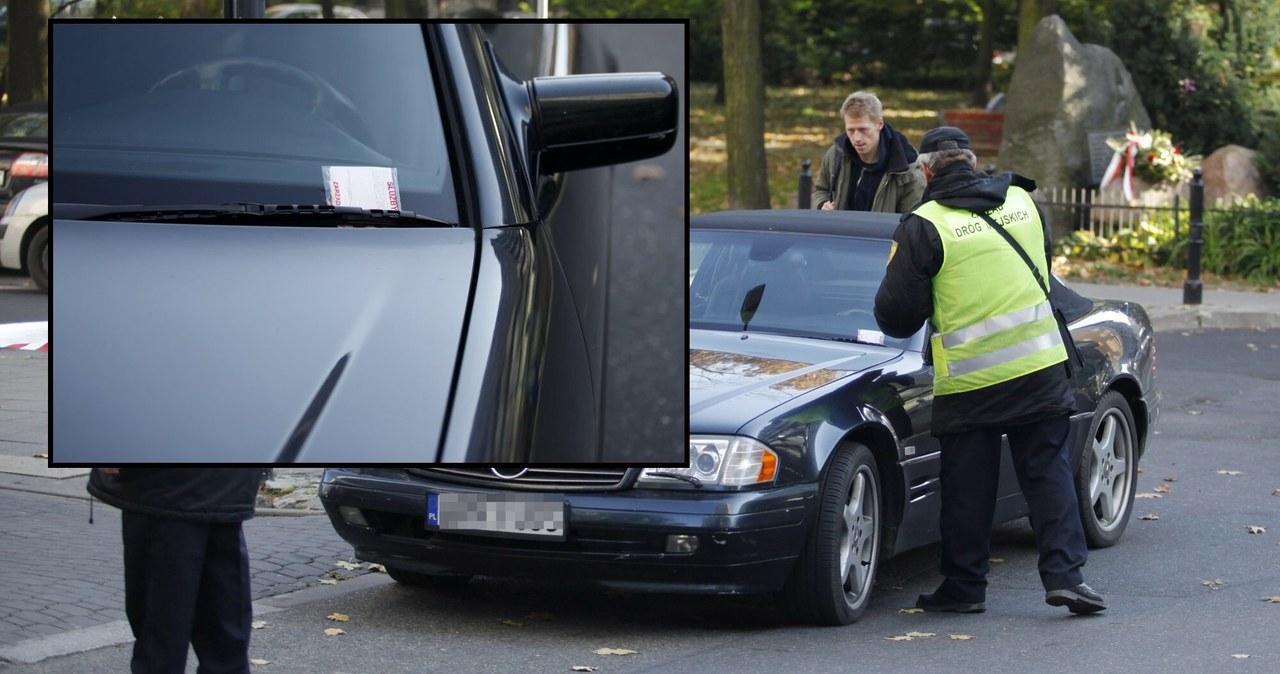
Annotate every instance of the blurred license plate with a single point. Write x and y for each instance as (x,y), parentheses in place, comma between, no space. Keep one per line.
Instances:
(539,516)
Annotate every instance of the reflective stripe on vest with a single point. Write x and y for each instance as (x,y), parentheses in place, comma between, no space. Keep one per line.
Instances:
(991,320)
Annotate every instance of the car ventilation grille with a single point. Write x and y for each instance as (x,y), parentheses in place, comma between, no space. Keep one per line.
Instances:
(516,477)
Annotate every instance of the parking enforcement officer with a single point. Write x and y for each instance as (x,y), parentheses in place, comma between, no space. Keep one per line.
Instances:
(998,369)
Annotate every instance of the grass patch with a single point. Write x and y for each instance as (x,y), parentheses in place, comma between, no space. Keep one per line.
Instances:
(800,123)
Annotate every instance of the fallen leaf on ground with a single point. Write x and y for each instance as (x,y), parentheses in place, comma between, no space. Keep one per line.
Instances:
(347,565)
(377,567)
(335,631)
(1213,584)
(997,560)
(339,617)
(1147,494)
(1271,600)
(259,661)
(614,651)
(960,637)
(540,615)
(511,623)
(1163,488)
(583,668)
(1276,492)
(1170,479)
(1149,517)
(1230,472)
(39,456)
(1194,413)
(922,635)
(258,624)
(1240,656)
(1141,470)
(901,637)
(1253,529)
(328,581)
(910,610)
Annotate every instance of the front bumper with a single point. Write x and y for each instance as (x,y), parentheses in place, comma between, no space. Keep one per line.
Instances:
(747,541)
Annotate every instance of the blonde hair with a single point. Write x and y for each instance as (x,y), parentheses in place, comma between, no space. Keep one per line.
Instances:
(863,104)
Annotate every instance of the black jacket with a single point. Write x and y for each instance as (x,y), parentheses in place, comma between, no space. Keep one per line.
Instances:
(193,494)
(905,301)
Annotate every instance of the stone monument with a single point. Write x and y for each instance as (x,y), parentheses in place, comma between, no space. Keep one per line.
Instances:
(1062,91)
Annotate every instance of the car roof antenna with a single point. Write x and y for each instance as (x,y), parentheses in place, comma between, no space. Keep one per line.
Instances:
(749,305)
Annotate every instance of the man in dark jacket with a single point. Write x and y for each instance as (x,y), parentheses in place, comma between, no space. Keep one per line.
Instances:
(998,368)
(186,568)
(869,167)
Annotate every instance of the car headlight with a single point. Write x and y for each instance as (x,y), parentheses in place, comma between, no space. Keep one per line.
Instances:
(717,461)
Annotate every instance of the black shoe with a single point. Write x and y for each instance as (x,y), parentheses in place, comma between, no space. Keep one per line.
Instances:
(1078,599)
(935,603)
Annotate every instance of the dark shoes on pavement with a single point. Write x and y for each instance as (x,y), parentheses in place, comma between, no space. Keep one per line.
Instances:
(1078,599)
(936,602)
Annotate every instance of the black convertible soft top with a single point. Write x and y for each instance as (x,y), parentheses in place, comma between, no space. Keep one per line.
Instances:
(843,223)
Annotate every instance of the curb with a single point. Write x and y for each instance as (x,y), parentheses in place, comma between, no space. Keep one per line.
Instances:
(1192,317)
(118,633)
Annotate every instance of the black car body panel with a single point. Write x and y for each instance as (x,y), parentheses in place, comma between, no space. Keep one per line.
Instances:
(805,395)
(501,290)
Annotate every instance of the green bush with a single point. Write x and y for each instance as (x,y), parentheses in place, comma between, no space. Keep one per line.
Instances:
(1243,241)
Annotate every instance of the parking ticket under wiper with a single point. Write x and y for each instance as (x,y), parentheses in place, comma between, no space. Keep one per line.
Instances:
(300,215)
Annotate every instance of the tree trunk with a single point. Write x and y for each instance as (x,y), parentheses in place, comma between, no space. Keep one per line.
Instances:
(982,68)
(744,104)
(28,67)
(1029,14)
(326,9)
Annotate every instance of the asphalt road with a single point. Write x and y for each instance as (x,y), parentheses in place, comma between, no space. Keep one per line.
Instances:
(646,394)
(20,302)
(1186,590)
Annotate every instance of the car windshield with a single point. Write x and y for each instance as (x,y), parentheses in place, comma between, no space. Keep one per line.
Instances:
(270,113)
(814,285)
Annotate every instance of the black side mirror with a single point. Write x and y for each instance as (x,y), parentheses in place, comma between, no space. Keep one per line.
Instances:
(584,121)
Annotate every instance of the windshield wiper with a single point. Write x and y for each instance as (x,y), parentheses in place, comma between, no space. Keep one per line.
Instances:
(300,215)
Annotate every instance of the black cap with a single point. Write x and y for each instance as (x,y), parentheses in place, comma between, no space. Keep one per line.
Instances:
(943,138)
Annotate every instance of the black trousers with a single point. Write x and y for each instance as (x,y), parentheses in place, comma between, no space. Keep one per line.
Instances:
(186,583)
(970,474)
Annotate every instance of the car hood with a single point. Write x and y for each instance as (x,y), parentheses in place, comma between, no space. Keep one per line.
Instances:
(734,380)
(211,343)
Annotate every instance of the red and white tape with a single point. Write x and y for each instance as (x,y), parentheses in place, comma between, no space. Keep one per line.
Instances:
(25,336)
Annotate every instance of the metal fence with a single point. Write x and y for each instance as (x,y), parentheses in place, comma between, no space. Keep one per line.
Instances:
(1074,209)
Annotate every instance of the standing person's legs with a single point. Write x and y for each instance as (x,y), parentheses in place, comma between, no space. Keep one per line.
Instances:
(1039,452)
(970,473)
(162,565)
(224,606)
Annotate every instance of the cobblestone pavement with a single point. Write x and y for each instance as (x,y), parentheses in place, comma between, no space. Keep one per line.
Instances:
(62,573)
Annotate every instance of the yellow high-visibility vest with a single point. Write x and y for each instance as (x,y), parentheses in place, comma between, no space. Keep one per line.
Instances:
(991,320)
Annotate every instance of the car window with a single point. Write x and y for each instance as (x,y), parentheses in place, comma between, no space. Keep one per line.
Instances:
(24,124)
(254,112)
(814,285)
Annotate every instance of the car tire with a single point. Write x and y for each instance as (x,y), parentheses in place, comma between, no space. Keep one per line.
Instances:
(1107,476)
(436,580)
(38,259)
(833,579)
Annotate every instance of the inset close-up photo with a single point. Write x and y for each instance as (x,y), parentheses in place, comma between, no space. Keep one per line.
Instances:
(368,243)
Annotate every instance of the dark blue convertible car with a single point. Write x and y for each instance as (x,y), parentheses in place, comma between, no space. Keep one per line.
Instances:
(810,454)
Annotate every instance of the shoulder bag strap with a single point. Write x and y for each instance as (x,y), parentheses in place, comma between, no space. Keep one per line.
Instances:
(1021,253)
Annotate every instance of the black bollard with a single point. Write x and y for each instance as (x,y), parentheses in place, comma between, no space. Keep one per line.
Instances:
(806,186)
(1192,288)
